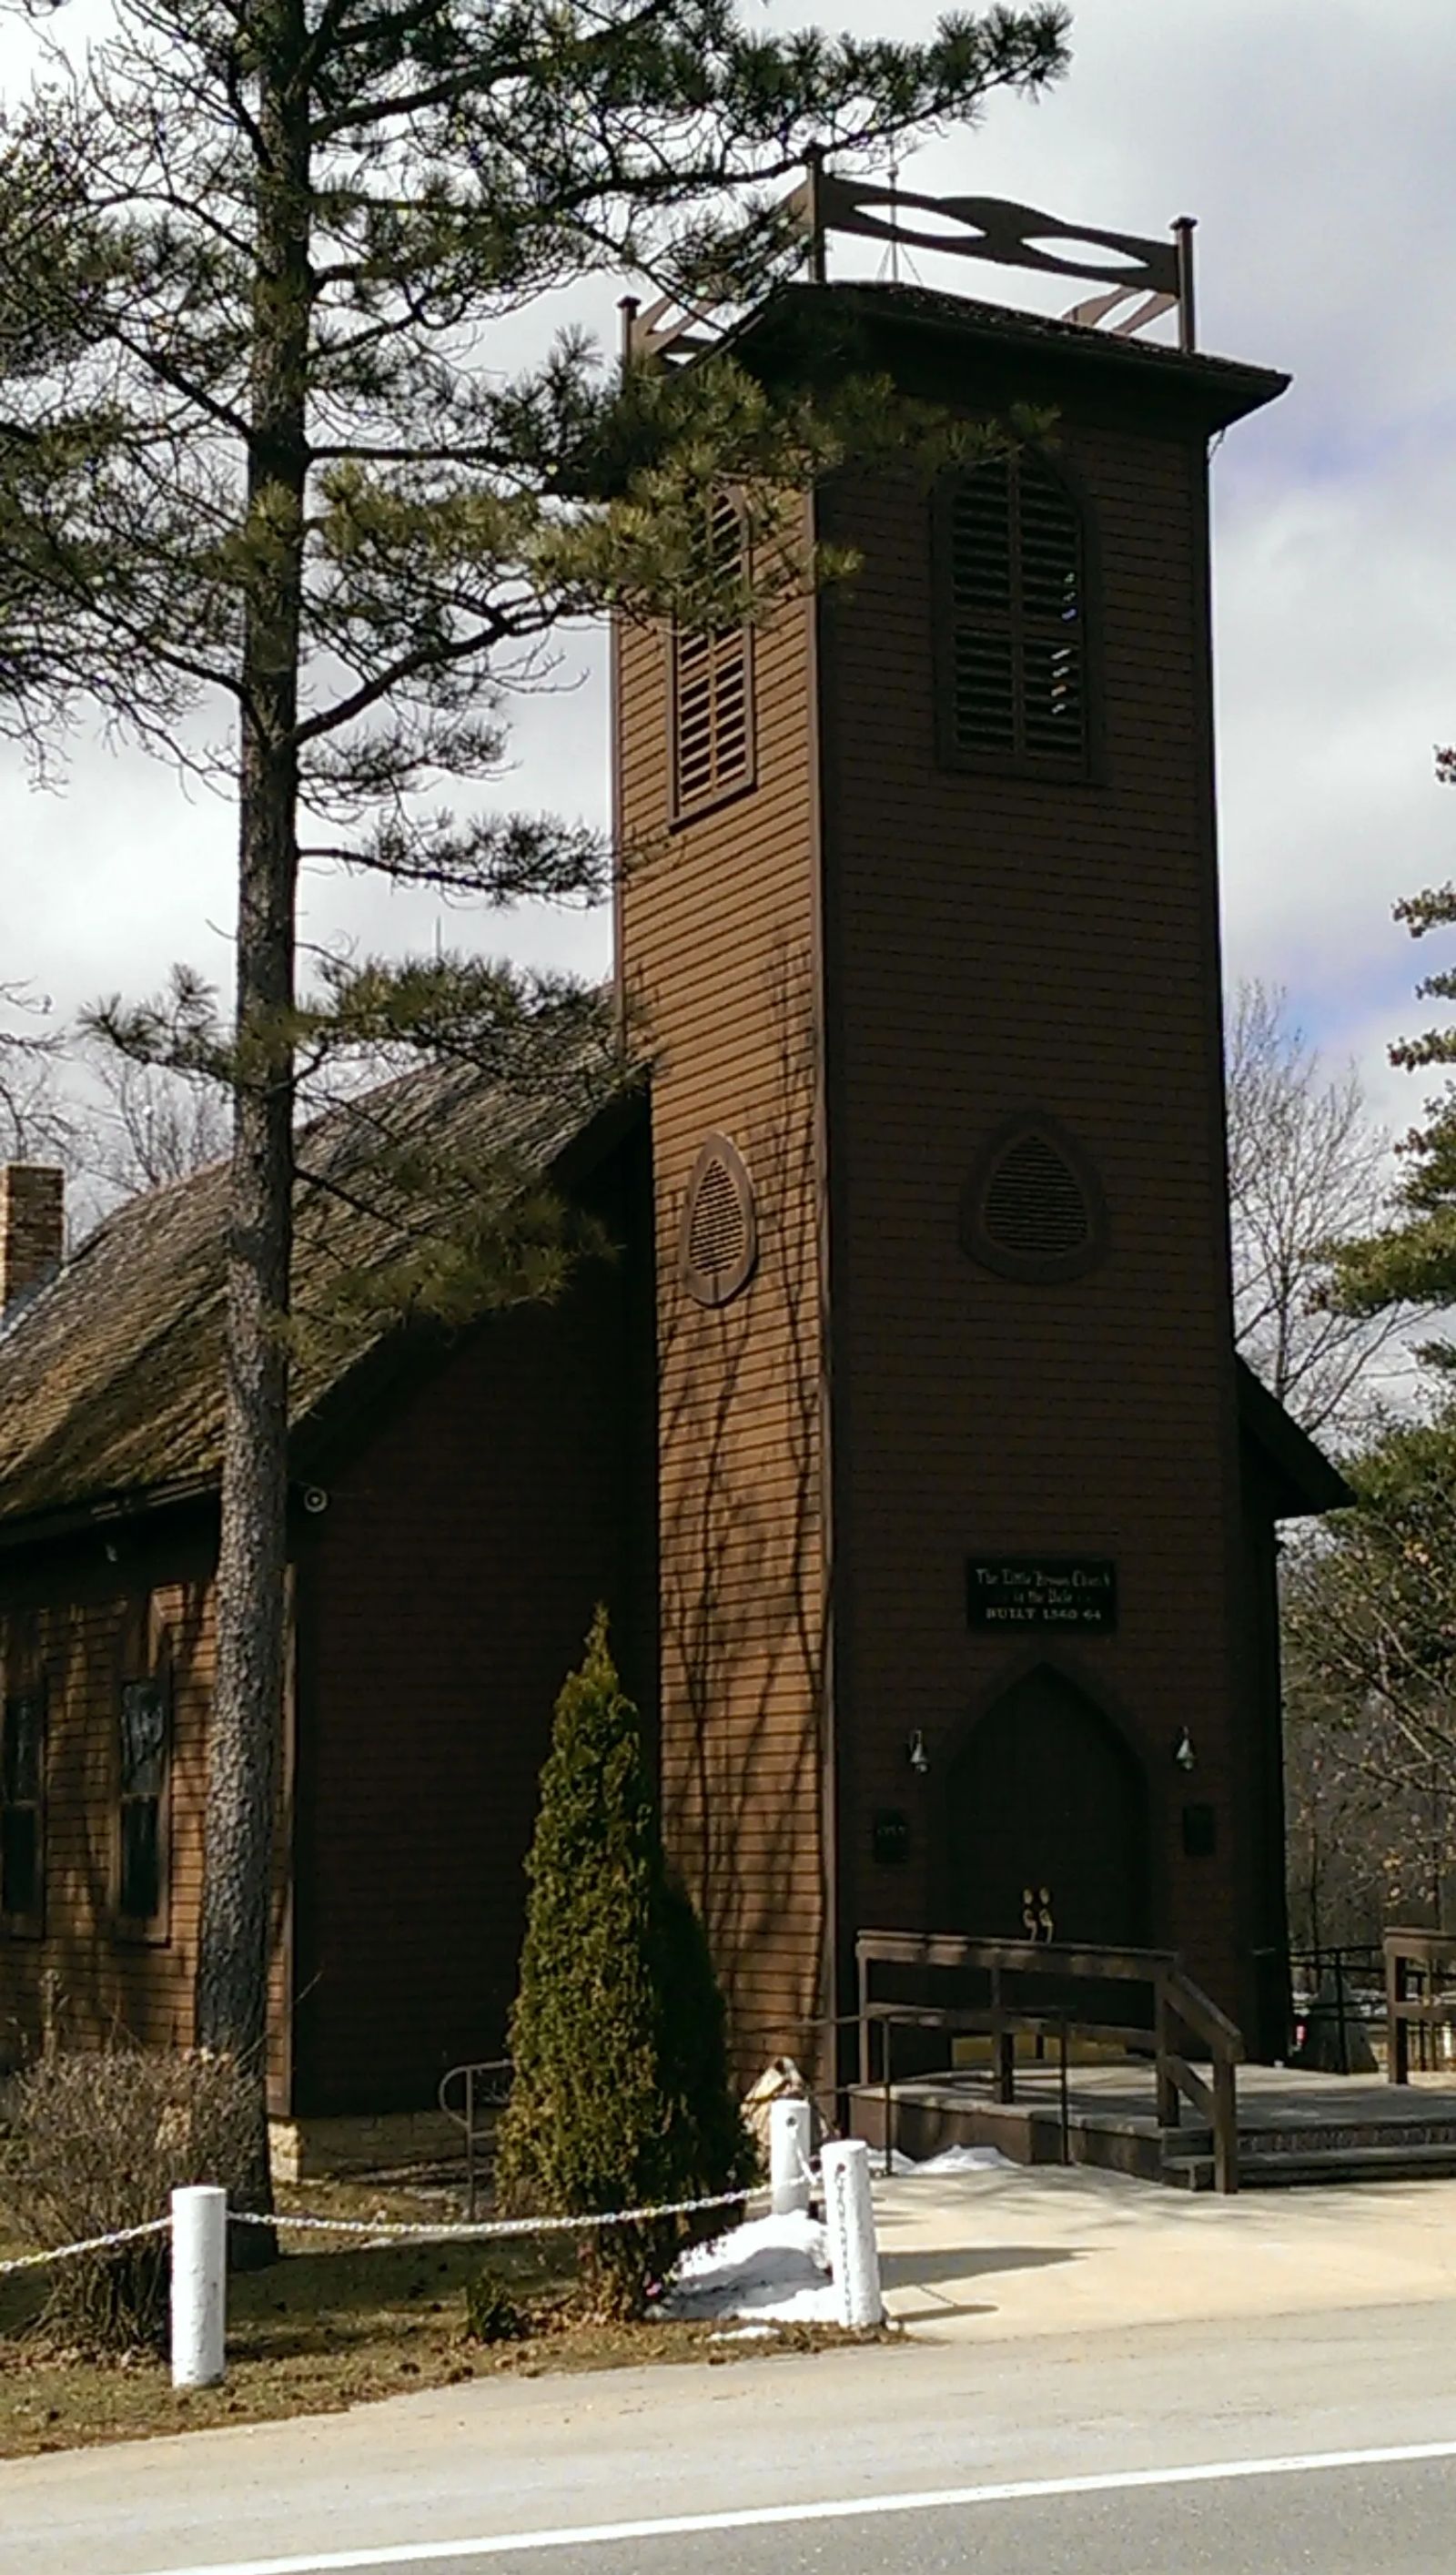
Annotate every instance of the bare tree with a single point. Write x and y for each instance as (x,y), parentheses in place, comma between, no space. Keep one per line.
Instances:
(1307,1169)
(35,1121)
(148,1125)
(1369,1621)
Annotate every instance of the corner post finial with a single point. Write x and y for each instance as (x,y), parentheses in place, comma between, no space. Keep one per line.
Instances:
(629,305)
(813,175)
(1182,231)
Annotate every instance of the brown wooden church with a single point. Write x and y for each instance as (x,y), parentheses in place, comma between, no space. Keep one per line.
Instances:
(906,1438)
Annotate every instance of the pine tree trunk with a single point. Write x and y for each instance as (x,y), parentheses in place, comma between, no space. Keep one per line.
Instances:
(243,1747)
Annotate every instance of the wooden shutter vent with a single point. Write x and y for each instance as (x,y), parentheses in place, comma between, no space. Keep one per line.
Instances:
(1033,1208)
(1013,584)
(719,1236)
(713,687)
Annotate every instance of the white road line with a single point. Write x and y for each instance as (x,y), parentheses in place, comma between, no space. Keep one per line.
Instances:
(524,2543)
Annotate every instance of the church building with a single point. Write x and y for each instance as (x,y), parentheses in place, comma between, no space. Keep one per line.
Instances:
(905,1438)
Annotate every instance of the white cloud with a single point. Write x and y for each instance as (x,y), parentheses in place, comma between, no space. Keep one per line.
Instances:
(1312,140)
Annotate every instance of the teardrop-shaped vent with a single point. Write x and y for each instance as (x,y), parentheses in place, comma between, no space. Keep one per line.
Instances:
(1033,1208)
(720,1231)
(1033,1205)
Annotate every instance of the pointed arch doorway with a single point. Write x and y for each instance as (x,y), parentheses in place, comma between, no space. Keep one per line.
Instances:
(1047,1794)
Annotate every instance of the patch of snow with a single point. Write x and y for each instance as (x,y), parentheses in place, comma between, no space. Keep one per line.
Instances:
(744,2333)
(773,2269)
(951,2159)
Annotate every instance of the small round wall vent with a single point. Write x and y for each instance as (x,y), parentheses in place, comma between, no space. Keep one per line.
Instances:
(720,1238)
(1033,1208)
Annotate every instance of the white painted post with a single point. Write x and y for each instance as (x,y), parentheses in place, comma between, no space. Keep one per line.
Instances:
(850,2224)
(198,2286)
(788,2141)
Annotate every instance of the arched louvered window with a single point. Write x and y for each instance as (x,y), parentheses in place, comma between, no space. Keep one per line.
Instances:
(1032,1209)
(1013,606)
(718,1243)
(712,685)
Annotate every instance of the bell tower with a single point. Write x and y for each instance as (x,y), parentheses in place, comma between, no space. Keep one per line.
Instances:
(957,1543)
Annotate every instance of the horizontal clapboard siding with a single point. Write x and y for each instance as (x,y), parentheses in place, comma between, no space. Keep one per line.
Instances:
(91,1978)
(445,1594)
(1001,940)
(718,946)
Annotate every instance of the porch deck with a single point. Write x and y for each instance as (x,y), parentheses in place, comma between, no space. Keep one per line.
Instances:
(1293,2127)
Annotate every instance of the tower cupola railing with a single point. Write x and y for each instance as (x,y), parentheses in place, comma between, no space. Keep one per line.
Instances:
(1139,277)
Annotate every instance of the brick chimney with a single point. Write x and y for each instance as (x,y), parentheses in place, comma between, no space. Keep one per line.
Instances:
(32,1229)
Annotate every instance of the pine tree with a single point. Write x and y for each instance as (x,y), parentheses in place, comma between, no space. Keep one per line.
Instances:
(1412,1260)
(326,508)
(621,2095)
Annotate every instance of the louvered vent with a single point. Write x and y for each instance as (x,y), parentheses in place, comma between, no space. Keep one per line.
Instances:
(1016,682)
(720,1231)
(1033,1208)
(713,732)
(1033,1205)
(716,1235)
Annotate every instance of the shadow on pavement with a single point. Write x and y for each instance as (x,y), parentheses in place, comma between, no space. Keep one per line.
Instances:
(970,2262)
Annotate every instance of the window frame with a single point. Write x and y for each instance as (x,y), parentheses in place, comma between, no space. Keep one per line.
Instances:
(1087,766)
(144,1657)
(23,1674)
(683,810)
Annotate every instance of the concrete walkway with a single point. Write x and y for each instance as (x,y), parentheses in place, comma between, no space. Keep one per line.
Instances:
(980,2256)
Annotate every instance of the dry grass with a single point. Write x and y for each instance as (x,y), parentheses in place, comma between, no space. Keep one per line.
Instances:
(98,2141)
(319,2331)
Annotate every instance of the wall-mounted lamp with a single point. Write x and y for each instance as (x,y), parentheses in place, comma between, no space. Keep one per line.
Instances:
(915,1753)
(1184,1752)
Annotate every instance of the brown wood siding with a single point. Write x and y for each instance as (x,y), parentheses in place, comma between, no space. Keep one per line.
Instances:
(718,935)
(443,1594)
(89,1980)
(995,942)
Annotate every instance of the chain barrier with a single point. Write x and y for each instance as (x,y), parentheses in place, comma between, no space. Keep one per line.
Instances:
(389,2230)
(92,2244)
(382,2230)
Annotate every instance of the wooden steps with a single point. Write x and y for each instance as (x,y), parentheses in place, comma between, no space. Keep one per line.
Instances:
(1296,2131)
(1321,2169)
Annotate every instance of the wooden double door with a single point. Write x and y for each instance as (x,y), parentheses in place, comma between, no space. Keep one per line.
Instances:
(1047,1822)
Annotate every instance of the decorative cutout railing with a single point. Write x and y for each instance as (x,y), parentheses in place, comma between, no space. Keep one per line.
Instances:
(1150,276)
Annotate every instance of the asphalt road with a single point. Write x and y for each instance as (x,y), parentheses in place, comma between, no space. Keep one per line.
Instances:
(1392,2519)
(1158,2445)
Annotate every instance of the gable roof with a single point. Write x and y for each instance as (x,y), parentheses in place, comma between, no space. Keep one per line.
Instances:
(111,1378)
(1304,1481)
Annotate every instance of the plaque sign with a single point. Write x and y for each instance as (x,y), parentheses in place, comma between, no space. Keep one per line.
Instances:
(1011,1591)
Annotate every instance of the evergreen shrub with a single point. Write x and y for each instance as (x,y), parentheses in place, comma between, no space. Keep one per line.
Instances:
(620,2094)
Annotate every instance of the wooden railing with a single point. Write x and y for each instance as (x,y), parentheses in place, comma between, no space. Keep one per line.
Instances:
(1180,2013)
(1425,1959)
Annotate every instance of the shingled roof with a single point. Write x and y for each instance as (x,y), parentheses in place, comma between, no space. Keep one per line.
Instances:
(111,1382)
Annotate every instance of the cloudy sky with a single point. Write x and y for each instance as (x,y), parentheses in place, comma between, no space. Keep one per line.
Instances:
(1313,141)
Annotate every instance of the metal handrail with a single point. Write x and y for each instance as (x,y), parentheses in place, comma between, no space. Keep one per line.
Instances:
(470,2076)
(1356,1969)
